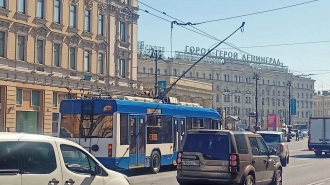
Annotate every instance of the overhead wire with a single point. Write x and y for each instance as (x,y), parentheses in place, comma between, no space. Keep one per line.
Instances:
(203,33)
(284,44)
(256,13)
(244,15)
(182,23)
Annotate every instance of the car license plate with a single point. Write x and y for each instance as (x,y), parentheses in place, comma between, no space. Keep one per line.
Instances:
(190,163)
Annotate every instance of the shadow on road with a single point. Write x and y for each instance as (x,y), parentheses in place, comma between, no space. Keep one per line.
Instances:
(146,171)
(312,155)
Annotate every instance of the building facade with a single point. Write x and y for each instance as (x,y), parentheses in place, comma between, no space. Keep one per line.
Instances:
(56,49)
(234,87)
(321,104)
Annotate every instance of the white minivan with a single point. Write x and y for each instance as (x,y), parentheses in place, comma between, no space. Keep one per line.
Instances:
(27,159)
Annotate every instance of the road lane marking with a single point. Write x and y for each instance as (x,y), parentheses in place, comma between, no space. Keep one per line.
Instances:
(319,182)
(301,165)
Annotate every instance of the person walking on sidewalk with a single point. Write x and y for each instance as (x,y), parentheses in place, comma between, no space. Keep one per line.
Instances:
(297,136)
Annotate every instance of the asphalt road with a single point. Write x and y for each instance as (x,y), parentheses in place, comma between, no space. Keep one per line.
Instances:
(304,169)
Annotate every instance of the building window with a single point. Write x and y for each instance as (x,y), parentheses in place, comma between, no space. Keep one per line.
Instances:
(21,48)
(72,58)
(35,98)
(101,25)
(27,121)
(88,20)
(87,61)
(19,96)
(122,31)
(21,6)
(55,103)
(122,68)
(57,11)
(40,9)
(2,44)
(40,51)
(100,63)
(56,58)
(3,4)
(73,14)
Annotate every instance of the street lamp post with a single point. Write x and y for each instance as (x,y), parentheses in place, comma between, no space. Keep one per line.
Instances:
(156,54)
(289,85)
(256,77)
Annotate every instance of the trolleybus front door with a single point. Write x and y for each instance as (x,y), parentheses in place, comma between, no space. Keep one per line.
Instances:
(179,127)
(137,141)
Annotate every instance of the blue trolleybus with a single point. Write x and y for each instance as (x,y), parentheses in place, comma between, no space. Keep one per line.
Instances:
(131,132)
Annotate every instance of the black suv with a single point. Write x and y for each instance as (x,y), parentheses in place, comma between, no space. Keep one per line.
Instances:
(227,157)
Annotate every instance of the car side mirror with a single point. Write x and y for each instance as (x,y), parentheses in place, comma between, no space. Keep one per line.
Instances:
(97,170)
(271,151)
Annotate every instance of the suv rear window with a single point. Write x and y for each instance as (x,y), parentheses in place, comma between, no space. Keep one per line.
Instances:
(212,146)
(271,138)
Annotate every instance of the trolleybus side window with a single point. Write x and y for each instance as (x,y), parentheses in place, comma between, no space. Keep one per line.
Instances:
(159,129)
(207,123)
(167,129)
(189,123)
(154,129)
(123,129)
(198,123)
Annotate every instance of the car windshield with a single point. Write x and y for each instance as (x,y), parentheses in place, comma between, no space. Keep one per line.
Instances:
(212,146)
(271,138)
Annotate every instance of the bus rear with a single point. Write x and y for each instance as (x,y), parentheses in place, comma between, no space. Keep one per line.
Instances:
(90,126)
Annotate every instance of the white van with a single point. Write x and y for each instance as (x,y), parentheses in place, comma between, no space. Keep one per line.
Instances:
(27,159)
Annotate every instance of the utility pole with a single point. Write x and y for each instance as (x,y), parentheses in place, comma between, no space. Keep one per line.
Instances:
(289,85)
(322,105)
(156,54)
(256,77)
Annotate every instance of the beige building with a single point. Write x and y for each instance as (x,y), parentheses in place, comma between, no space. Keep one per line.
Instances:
(233,86)
(321,104)
(52,49)
(186,90)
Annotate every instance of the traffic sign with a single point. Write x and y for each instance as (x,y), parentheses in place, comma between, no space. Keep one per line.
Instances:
(161,87)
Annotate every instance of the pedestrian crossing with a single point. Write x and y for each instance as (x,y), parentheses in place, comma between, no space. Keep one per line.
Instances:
(321,182)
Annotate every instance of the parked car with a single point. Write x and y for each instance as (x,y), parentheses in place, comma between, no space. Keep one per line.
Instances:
(227,157)
(277,141)
(27,159)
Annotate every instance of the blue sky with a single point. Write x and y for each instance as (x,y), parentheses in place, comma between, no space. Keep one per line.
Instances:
(305,23)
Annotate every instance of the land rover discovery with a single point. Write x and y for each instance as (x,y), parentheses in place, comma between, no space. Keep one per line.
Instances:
(227,157)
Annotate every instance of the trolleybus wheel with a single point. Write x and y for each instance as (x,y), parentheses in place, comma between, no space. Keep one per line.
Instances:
(155,162)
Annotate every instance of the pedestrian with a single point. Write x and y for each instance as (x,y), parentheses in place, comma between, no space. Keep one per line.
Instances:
(297,135)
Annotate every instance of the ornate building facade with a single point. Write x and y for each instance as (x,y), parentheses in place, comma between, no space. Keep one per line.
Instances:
(230,86)
(56,49)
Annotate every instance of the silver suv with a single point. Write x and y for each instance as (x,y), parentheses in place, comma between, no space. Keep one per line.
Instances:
(277,141)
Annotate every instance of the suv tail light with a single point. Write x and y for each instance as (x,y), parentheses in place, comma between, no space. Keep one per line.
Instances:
(179,160)
(234,163)
(281,148)
(109,150)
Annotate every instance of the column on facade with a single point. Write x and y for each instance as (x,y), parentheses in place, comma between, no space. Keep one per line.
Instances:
(10,109)
(207,103)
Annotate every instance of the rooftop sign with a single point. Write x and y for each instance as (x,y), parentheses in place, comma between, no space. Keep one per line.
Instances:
(233,56)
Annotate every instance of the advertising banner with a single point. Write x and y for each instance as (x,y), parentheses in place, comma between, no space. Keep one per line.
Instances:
(273,122)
